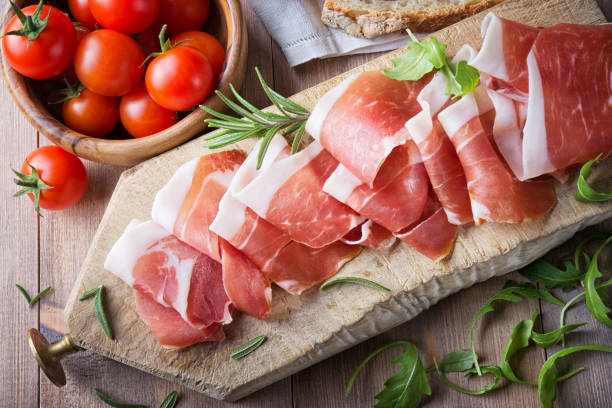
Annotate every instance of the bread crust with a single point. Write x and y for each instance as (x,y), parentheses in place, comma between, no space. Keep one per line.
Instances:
(371,23)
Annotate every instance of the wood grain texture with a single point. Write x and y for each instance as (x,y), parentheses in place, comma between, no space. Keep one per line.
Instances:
(123,150)
(304,330)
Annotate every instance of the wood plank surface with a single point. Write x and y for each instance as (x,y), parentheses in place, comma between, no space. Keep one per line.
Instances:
(65,235)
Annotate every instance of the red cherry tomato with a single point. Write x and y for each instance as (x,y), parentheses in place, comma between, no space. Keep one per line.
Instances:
(126,16)
(207,45)
(149,40)
(109,63)
(141,116)
(50,53)
(182,15)
(81,13)
(91,114)
(180,78)
(62,171)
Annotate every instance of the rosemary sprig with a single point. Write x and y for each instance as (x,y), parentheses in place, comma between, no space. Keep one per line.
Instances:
(256,123)
(248,347)
(36,298)
(99,307)
(109,401)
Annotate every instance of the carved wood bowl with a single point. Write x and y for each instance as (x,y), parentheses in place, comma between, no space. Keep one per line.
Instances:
(119,148)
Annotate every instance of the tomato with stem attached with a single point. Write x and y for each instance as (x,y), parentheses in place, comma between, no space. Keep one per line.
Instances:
(53,178)
(179,77)
(80,12)
(109,63)
(39,41)
(182,15)
(89,113)
(142,116)
(129,17)
(207,45)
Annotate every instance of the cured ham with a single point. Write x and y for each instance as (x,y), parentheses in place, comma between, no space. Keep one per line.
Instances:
(495,193)
(361,121)
(168,326)
(562,74)
(293,266)
(188,203)
(371,235)
(158,265)
(319,219)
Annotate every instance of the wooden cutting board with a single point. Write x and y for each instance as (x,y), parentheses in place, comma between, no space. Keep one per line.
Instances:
(303,330)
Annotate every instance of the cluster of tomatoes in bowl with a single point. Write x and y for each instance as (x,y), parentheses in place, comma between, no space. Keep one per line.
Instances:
(116,62)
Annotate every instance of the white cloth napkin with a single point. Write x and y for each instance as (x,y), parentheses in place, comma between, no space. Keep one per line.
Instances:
(297,28)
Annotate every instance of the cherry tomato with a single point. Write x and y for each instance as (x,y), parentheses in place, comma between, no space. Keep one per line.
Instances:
(182,15)
(149,40)
(81,13)
(50,53)
(141,116)
(129,17)
(180,78)
(207,45)
(91,114)
(62,171)
(109,63)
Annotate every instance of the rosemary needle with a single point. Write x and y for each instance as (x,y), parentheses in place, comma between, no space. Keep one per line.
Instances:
(99,308)
(350,279)
(248,347)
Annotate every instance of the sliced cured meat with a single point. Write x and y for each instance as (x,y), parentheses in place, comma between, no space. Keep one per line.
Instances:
(371,235)
(503,54)
(438,153)
(168,326)
(495,193)
(289,194)
(157,264)
(570,98)
(361,121)
(432,235)
(246,286)
(395,205)
(293,266)
(188,203)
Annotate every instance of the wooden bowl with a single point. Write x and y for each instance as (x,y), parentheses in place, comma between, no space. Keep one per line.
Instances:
(225,23)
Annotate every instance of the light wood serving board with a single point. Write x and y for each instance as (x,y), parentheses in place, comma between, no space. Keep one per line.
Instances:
(303,330)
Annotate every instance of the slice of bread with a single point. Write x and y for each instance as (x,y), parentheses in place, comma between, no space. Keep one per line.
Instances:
(371,18)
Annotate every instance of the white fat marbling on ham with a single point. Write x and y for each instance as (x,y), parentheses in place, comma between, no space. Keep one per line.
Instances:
(491,59)
(341,184)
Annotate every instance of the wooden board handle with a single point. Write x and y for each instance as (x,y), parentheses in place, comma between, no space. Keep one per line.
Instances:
(49,356)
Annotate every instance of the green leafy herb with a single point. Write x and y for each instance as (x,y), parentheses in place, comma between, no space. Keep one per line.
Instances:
(248,347)
(36,298)
(422,57)
(405,388)
(256,123)
(512,292)
(454,362)
(593,299)
(350,279)
(542,272)
(108,401)
(547,379)
(584,192)
(170,400)
(99,308)
(495,371)
(549,339)
(32,184)
(32,25)
(518,340)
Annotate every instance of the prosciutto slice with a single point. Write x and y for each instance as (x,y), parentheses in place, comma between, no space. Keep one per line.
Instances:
(168,326)
(361,121)
(293,266)
(495,193)
(158,265)
(289,194)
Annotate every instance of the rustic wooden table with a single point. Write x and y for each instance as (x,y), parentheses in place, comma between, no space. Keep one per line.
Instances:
(41,252)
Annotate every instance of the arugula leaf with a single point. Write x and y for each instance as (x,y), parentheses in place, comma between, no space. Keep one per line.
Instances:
(593,299)
(548,379)
(586,193)
(511,292)
(405,388)
(550,276)
(422,57)
(496,371)
(545,340)
(518,340)
(454,362)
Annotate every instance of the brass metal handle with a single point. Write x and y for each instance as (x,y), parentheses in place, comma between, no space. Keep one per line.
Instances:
(48,355)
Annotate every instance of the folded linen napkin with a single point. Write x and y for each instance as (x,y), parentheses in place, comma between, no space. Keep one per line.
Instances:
(297,28)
